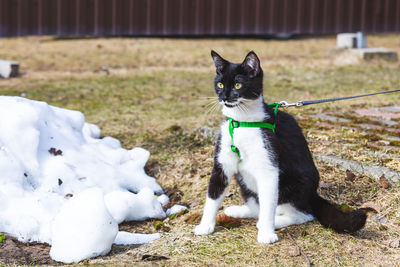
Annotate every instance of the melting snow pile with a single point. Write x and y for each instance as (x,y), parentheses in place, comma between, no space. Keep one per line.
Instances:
(63,185)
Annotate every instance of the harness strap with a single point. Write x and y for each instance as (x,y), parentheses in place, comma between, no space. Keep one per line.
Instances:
(236,124)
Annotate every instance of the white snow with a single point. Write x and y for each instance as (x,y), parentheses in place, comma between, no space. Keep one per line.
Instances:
(125,206)
(83,228)
(126,238)
(47,155)
(175,209)
(163,199)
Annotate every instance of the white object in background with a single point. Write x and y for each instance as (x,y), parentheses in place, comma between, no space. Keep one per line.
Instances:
(346,40)
(83,228)
(361,40)
(8,68)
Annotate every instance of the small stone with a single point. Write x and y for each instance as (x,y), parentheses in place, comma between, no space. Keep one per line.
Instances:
(394,243)
(324,185)
(105,69)
(294,251)
(194,204)
(350,176)
(384,182)
(384,142)
(379,219)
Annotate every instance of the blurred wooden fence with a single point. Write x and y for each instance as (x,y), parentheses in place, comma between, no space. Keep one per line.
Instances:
(196,17)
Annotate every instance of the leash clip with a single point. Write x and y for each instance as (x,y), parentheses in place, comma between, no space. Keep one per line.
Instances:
(235,124)
(286,104)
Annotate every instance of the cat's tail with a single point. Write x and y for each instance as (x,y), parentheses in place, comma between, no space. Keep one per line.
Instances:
(331,216)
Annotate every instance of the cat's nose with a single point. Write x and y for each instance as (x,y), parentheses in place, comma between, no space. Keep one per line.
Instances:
(224,98)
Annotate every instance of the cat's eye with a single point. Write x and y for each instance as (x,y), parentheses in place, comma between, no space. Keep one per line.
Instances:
(220,85)
(238,86)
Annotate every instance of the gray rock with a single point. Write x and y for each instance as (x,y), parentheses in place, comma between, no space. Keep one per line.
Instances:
(393,138)
(356,167)
(379,218)
(387,122)
(390,109)
(374,53)
(329,118)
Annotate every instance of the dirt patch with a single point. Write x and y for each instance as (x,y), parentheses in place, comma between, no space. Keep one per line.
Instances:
(14,252)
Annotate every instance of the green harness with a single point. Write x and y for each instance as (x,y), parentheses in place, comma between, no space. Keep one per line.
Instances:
(236,124)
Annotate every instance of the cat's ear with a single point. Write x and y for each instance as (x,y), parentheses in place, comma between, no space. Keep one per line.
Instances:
(219,62)
(251,64)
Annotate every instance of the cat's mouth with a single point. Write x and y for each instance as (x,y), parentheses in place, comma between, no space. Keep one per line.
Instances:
(230,105)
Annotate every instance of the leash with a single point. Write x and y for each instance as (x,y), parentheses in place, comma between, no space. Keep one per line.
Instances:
(286,104)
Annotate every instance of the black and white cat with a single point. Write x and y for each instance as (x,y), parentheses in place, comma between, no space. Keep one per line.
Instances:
(275,171)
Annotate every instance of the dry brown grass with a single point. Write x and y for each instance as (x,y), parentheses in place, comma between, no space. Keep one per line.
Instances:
(150,93)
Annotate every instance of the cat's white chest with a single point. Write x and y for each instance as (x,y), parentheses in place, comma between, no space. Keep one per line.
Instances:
(249,141)
(253,153)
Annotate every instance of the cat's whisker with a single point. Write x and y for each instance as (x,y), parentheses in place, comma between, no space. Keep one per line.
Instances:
(244,108)
(210,103)
(212,107)
(215,110)
(240,107)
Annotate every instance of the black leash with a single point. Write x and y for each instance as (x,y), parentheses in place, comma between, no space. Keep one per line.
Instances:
(286,104)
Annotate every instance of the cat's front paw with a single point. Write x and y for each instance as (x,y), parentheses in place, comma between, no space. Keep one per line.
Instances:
(267,237)
(204,229)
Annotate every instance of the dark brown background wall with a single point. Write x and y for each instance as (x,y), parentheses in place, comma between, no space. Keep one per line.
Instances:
(196,17)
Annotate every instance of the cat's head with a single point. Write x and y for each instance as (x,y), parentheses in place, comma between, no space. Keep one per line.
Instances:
(237,82)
